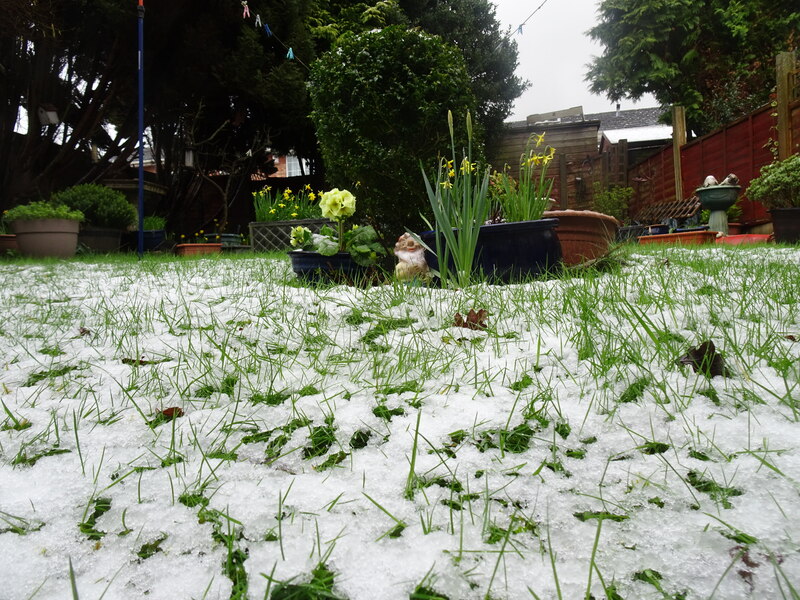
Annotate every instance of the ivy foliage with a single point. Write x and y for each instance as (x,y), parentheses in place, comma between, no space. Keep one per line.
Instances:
(380,102)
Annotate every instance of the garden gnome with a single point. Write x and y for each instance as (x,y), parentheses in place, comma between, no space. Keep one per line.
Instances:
(411,259)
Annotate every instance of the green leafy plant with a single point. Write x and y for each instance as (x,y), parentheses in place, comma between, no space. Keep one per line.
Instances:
(272,205)
(154,223)
(379,103)
(528,198)
(778,185)
(102,206)
(612,200)
(459,201)
(42,210)
(360,241)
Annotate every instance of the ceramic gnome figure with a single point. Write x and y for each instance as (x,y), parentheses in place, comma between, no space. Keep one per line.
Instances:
(411,259)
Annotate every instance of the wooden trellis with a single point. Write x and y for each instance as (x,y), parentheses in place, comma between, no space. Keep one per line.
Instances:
(275,235)
(658,213)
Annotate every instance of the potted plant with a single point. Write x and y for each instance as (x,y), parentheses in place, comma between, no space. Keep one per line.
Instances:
(154,232)
(778,189)
(587,234)
(8,241)
(340,254)
(45,229)
(197,245)
(107,214)
(277,213)
(461,245)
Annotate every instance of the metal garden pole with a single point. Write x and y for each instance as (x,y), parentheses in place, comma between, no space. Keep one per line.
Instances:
(140,243)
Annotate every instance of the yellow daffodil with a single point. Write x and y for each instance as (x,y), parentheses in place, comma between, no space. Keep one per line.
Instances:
(447,184)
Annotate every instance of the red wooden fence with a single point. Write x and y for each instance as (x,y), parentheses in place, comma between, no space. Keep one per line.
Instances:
(742,147)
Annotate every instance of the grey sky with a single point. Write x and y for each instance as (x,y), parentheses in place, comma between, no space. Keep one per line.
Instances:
(553,52)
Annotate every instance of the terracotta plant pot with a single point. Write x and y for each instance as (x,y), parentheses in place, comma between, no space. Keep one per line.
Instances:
(584,234)
(197,249)
(688,238)
(47,238)
(8,241)
(744,239)
(735,229)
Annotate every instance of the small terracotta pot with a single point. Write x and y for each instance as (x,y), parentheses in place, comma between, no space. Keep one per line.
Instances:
(196,249)
(687,238)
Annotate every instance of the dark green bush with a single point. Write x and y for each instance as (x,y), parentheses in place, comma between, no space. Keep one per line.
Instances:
(102,206)
(380,107)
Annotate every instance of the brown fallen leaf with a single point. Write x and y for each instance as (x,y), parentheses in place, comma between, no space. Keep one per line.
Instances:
(84,331)
(474,320)
(791,338)
(173,412)
(705,359)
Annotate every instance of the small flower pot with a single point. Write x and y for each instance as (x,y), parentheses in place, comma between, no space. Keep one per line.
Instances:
(197,249)
(8,242)
(315,267)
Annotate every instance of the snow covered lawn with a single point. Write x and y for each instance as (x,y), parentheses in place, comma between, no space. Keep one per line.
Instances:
(211,429)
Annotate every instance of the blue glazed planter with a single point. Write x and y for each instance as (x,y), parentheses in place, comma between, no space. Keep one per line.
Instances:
(314,267)
(508,252)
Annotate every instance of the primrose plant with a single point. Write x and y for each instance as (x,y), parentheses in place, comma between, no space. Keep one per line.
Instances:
(361,242)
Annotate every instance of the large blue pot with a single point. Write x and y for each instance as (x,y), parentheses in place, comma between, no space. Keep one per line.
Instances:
(508,252)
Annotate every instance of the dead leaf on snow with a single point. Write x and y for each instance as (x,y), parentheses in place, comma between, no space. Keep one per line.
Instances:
(474,319)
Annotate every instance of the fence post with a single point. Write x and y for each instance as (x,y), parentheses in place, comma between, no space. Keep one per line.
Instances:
(784,65)
(562,181)
(678,140)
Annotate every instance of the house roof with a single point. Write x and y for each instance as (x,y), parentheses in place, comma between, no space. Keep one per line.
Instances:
(626,119)
(611,120)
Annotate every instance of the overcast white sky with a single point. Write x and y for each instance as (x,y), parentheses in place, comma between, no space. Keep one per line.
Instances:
(553,53)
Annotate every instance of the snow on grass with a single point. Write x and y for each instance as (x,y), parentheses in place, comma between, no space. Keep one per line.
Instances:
(212,429)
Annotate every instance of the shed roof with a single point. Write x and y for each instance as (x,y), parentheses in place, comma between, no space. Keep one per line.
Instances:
(638,134)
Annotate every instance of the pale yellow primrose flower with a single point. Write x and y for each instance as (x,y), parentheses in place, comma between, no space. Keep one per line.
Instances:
(337,204)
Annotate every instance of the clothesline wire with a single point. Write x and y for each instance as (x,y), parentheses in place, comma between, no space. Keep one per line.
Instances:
(520,26)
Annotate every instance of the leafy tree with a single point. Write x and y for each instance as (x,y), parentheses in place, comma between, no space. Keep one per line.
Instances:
(212,79)
(714,57)
(490,56)
(469,25)
(380,106)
